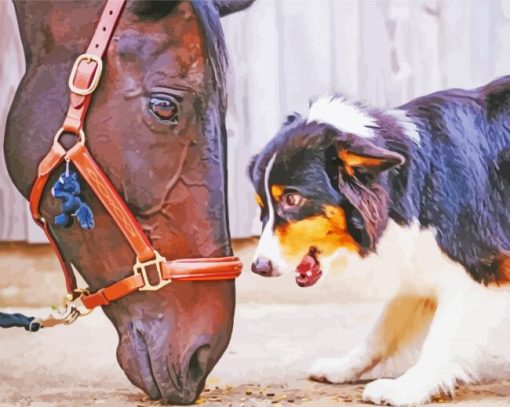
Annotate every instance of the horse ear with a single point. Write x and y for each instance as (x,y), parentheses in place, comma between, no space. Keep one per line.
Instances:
(226,7)
(364,154)
(291,118)
(153,8)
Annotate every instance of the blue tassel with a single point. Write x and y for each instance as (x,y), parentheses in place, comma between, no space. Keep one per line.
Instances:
(67,189)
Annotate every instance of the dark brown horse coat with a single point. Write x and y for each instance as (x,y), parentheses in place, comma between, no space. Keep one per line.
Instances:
(171,173)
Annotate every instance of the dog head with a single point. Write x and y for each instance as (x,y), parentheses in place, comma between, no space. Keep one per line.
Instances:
(321,185)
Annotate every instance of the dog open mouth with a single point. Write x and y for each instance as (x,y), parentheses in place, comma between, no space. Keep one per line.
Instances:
(308,272)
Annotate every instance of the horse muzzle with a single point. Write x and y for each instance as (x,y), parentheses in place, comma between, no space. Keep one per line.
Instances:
(148,359)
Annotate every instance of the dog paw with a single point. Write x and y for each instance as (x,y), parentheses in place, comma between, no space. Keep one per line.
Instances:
(332,371)
(395,393)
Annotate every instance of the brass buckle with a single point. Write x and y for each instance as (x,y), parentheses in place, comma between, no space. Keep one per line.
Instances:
(95,80)
(141,268)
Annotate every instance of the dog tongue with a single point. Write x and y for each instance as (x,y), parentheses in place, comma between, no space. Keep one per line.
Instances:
(308,272)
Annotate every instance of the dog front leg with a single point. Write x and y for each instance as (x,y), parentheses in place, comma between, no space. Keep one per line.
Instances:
(402,321)
(456,342)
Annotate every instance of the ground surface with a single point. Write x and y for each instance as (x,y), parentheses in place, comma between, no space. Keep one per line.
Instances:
(274,341)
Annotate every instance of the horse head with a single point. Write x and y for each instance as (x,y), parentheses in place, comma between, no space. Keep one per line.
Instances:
(156,128)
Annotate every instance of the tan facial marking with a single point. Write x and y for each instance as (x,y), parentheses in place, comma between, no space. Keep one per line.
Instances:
(277,191)
(260,201)
(327,232)
(352,160)
(504,270)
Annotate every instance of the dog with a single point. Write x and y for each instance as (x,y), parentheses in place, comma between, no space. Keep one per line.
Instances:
(421,192)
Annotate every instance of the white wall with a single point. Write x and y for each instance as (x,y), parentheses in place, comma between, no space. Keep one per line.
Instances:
(283,52)
(384,52)
(13,220)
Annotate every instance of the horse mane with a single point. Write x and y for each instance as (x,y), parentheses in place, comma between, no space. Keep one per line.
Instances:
(216,49)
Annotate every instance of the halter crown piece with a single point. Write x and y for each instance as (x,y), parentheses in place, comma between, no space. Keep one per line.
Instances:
(83,81)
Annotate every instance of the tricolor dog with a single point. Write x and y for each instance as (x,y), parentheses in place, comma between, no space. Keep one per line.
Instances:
(422,193)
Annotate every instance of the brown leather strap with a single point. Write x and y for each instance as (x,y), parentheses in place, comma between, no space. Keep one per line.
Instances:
(86,71)
(83,81)
(82,78)
(220,268)
(52,160)
(111,200)
(70,279)
(211,269)
(113,292)
(46,167)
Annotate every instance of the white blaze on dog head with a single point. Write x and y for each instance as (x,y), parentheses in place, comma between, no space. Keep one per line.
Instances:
(342,114)
(284,244)
(295,244)
(314,206)
(268,248)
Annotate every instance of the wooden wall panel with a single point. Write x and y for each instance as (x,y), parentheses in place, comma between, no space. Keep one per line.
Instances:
(382,52)
(283,52)
(12,66)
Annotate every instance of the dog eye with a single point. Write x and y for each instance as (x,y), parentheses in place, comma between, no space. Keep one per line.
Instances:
(292,200)
(165,108)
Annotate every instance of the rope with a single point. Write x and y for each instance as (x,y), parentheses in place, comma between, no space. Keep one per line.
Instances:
(30,324)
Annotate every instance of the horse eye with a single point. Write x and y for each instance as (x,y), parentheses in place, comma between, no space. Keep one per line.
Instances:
(165,108)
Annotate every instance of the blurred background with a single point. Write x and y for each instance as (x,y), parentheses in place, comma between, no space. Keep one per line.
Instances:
(282,54)
(285,52)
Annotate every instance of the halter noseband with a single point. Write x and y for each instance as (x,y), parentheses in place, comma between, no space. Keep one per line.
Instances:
(83,81)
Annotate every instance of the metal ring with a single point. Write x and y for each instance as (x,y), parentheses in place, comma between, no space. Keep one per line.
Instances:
(80,135)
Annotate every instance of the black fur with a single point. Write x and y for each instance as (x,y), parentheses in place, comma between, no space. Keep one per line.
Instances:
(455,180)
(152,10)
(155,9)
(226,7)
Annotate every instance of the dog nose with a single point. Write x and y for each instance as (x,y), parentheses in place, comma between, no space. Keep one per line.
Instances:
(264,267)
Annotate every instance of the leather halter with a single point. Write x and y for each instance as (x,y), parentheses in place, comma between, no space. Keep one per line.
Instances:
(83,81)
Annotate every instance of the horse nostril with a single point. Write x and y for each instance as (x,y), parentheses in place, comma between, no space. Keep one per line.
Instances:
(262,266)
(198,363)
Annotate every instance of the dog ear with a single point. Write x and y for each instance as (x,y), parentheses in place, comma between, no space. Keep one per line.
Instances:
(366,155)
(361,161)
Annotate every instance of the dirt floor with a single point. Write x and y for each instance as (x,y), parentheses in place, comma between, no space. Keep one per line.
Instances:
(279,330)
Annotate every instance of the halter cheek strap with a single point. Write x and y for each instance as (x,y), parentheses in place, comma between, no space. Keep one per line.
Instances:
(83,81)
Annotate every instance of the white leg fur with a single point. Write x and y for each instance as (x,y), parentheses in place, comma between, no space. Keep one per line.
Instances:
(468,323)
(465,344)
(402,322)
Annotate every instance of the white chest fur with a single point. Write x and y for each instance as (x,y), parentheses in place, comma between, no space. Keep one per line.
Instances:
(465,325)
(407,258)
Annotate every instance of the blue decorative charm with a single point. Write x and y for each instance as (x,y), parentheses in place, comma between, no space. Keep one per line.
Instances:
(68,190)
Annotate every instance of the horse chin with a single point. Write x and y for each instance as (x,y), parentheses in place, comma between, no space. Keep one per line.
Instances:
(148,367)
(166,352)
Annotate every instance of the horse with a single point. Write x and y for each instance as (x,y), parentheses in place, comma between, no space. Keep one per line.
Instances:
(156,126)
